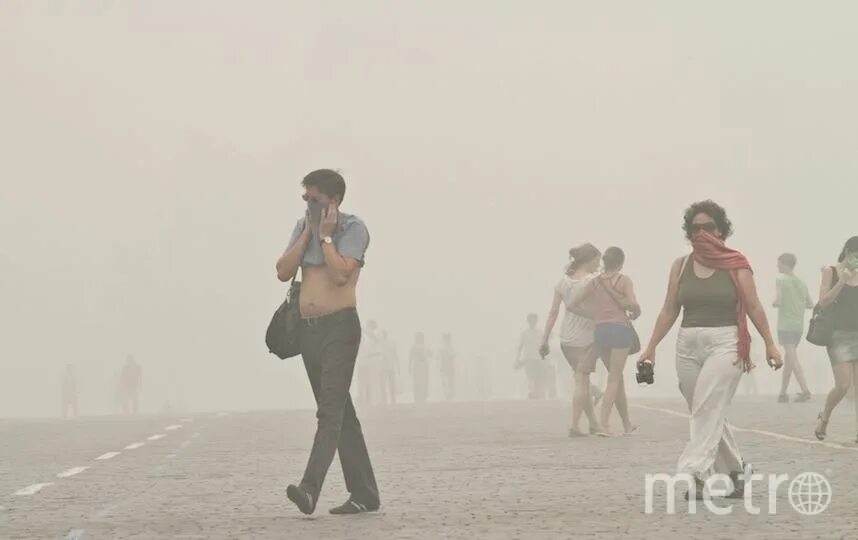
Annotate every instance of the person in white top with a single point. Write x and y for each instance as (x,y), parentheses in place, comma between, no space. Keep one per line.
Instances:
(527,356)
(371,349)
(576,335)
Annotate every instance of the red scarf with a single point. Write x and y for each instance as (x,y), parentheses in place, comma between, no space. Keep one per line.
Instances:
(710,251)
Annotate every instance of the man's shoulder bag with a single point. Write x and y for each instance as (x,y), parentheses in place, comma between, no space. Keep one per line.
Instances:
(283,334)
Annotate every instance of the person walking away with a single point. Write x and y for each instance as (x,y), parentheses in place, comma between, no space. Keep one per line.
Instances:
(329,246)
(577,333)
(792,299)
(613,297)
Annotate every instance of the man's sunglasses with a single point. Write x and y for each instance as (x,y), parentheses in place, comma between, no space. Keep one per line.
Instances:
(309,199)
(709,227)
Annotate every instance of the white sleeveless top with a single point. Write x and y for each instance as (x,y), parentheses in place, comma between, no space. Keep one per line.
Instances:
(577,331)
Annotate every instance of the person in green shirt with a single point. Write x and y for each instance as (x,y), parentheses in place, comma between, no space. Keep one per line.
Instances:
(792,300)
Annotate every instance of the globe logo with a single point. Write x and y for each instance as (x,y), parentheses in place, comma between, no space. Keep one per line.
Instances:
(810,494)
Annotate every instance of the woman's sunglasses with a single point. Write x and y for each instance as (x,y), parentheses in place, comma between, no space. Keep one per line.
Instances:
(709,227)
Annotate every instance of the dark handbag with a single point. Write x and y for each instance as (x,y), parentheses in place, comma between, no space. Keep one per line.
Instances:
(283,334)
(636,339)
(820,330)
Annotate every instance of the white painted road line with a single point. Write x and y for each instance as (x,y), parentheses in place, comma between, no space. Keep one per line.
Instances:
(156,437)
(171,456)
(74,534)
(72,472)
(135,446)
(762,432)
(173,427)
(109,455)
(32,490)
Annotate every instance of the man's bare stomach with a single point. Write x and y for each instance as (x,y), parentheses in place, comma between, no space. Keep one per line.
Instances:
(321,296)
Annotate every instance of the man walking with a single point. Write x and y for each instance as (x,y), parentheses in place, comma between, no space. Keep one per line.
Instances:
(792,301)
(329,247)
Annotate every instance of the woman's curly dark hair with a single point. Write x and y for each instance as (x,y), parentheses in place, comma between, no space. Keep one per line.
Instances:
(711,209)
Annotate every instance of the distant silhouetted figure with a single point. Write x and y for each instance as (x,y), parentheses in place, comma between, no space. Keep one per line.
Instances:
(130,385)
(528,357)
(388,369)
(370,361)
(418,366)
(484,376)
(447,365)
(69,392)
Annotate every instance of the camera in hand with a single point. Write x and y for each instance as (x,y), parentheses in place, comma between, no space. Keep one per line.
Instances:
(645,373)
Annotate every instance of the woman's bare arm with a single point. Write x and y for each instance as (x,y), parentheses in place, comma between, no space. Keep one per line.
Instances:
(828,293)
(630,302)
(748,290)
(551,320)
(669,312)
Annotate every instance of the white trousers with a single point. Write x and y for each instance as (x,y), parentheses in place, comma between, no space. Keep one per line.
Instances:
(708,380)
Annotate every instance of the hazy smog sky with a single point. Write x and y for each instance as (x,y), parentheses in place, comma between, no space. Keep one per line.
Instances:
(152,155)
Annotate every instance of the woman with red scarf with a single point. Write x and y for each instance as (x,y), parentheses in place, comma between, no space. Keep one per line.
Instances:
(715,291)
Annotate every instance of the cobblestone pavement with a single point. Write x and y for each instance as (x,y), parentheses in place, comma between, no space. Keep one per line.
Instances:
(463,470)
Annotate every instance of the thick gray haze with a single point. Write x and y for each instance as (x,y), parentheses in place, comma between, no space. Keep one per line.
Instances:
(152,155)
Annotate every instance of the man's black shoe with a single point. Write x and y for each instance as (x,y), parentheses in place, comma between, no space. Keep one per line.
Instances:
(353,507)
(303,500)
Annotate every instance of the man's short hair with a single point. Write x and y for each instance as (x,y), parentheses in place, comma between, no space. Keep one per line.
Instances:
(789,260)
(327,181)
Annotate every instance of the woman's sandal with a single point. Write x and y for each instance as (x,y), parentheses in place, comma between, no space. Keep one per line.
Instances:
(821,427)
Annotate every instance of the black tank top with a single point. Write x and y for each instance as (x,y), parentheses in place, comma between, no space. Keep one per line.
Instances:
(707,303)
(844,310)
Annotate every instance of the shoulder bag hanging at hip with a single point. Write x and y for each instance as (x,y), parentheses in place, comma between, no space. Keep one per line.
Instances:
(636,340)
(283,334)
(820,330)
